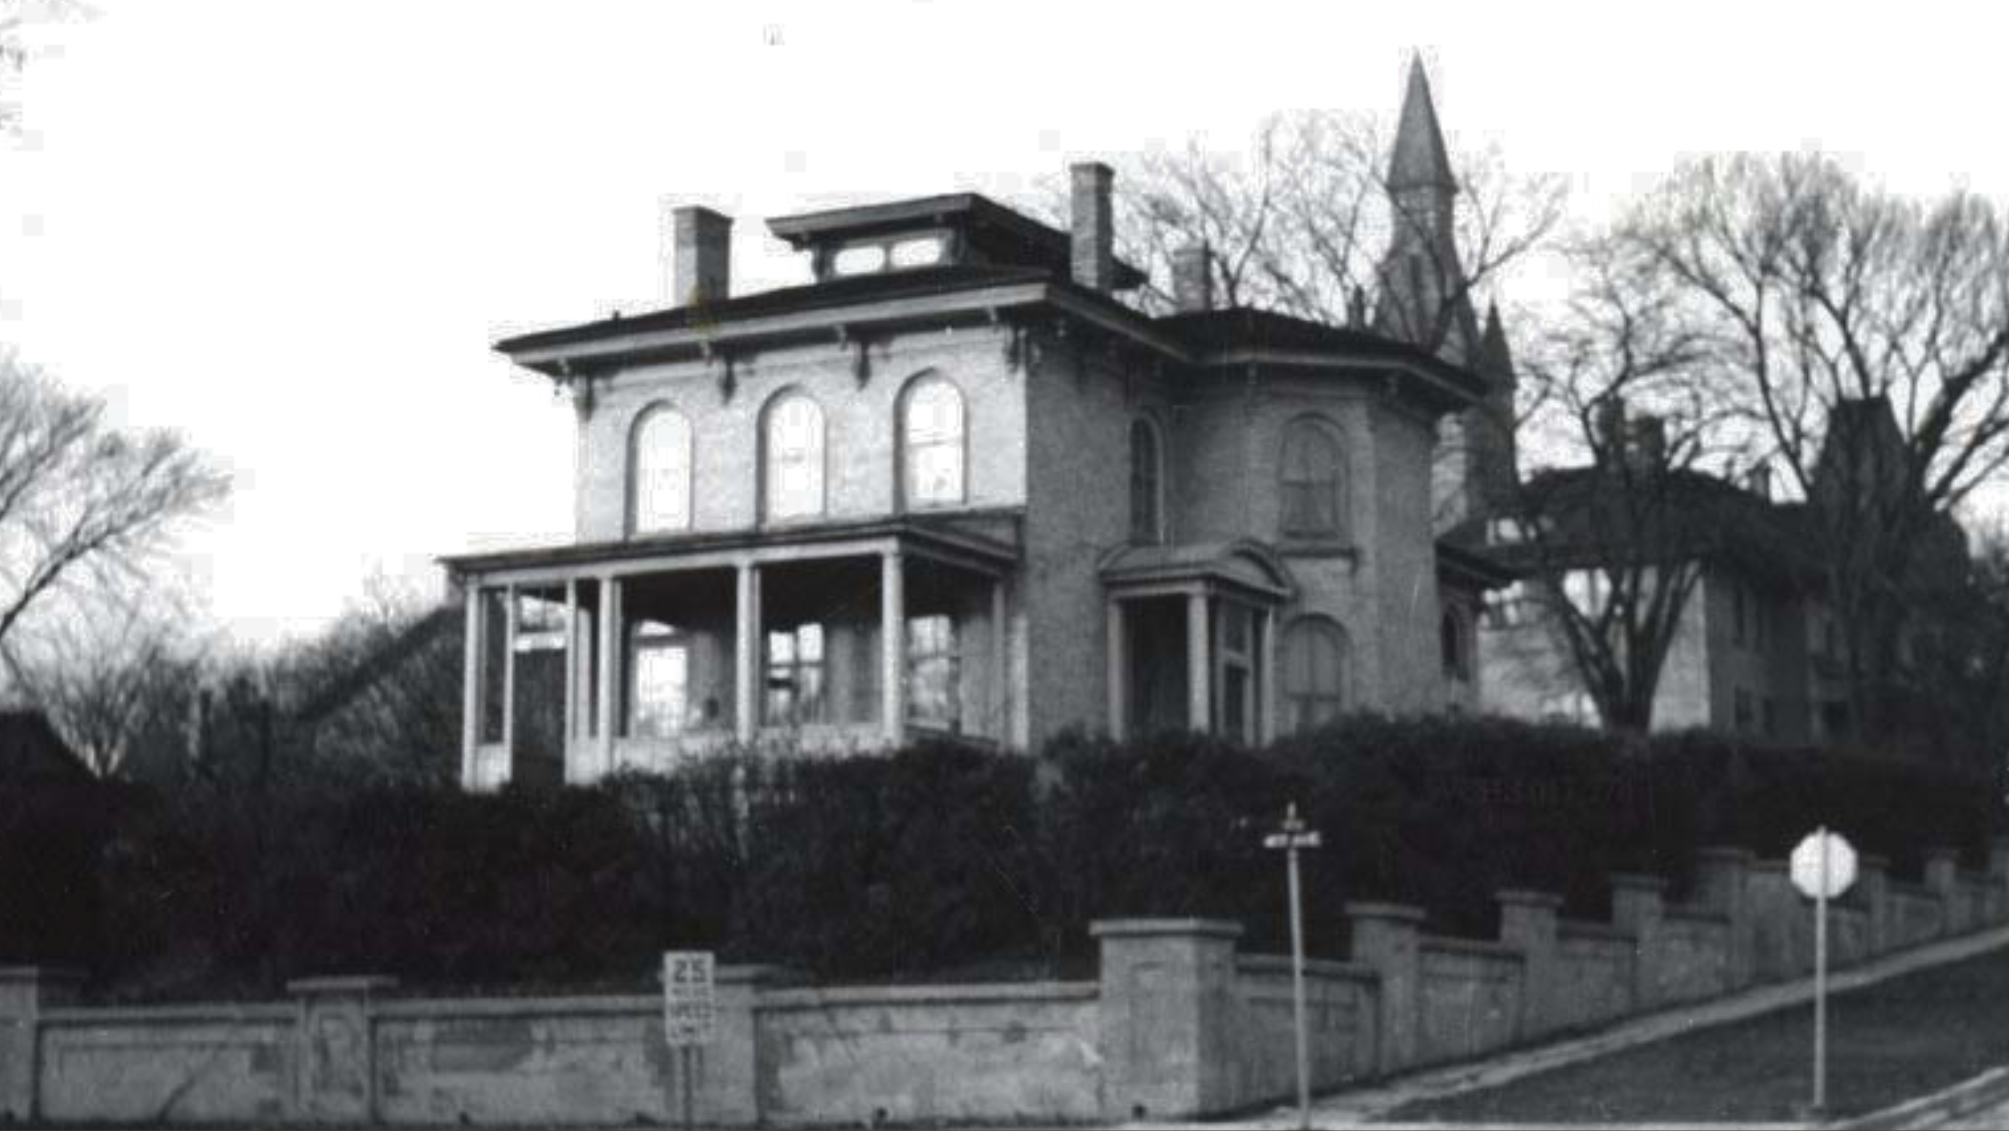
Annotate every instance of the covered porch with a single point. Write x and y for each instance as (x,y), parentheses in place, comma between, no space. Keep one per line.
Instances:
(583,661)
(1192,639)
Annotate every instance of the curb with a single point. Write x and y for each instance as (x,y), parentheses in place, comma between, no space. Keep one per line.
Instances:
(1966,1097)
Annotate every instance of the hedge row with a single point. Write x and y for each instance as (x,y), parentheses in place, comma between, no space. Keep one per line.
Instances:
(934,861)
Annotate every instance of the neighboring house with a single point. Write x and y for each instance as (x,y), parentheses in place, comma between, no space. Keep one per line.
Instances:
(34,756)
(954,486)
(1757,651)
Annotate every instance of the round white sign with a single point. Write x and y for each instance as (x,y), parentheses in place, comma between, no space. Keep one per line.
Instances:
(1815,882)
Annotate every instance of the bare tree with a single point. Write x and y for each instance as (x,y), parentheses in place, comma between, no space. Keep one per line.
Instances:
(1302,220)
(109,672)
(81,501)
(16,17)
(1613,550)
(1868,338)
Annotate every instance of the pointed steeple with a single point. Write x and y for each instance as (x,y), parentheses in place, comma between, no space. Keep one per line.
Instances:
(1419,159)
(1495,362)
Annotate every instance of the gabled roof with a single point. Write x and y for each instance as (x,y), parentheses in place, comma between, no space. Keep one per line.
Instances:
(1693,515)
(32,754)
(1419,159)
(1243,563)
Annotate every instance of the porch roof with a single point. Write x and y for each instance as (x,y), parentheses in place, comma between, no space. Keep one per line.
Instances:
(948,538)
(1243,563)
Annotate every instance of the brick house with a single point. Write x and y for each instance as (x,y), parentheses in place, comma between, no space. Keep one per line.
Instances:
(1757,649)
(955,486)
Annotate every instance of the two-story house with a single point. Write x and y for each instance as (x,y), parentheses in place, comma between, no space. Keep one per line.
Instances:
(954,485)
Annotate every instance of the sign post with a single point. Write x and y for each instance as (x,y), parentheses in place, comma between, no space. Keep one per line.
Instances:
(1823,867)
(1291,838)
(690,1014)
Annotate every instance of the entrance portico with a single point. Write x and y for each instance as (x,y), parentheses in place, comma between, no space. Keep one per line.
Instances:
(590,659)
(1192,638)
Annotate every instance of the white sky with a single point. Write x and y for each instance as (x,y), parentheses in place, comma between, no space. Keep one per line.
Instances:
(293,229)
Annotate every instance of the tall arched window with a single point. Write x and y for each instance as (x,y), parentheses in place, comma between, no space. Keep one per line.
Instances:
(1314,683)
(792,456)
(1453,641)
(931,442)
(1312,481)
(659,471)
(1147,478)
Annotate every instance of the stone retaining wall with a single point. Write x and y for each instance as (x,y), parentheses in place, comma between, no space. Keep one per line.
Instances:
(1179,1023)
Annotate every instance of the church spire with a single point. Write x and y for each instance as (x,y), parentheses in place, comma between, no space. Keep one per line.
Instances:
(1495,361)
(1419,159)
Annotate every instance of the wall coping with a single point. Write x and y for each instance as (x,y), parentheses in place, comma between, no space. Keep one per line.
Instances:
(1322,967)
(1697,915)
(1370,909)
(974,992)
(752,974)
(341,984)
(59,974)
(1476,948)
(443,1007)
(1726,854)
(1591,929)
(1910,889)
(1637,881)
(190,1013)
(1779,866)
(1867,860)
(1528,897)
(1144,928)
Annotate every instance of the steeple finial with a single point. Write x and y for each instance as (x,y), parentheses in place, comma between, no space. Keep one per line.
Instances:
(1419,159)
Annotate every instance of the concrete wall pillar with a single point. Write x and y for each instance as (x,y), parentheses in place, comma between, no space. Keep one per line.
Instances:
(335,1049)
(25,991)
(1942,878)
(1389,938)
(728,1069)
(1168,1021)
(1528,923)
(1997,903)
(1872,894)
(1637,903)
(1722,883)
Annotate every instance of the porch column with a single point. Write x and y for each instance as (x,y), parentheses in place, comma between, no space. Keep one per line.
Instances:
(610,663)
(893,652)
(470,692)
(574,717)
(1199,663)
(508,685)
(1119,689)
(1000,664)
(746,654)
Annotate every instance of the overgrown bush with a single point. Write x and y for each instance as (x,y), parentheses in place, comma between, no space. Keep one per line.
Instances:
(938,860)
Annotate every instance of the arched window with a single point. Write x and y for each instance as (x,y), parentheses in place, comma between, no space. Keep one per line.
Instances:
(792,456)
(1312,481)
(659,471)
(931,442)
(1147,477)
(1314,683)
(1456,646)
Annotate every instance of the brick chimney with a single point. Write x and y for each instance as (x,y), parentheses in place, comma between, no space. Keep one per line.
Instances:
(1193,278)
(1649,443)
(1093,226)
(700,253)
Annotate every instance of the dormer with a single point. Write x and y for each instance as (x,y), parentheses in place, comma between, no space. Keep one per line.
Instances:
(964,229)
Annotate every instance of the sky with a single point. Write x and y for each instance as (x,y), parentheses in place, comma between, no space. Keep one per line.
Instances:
(292,231)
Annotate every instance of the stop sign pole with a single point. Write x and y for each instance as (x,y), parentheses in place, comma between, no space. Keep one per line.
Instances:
(1292,837)
(1823,867)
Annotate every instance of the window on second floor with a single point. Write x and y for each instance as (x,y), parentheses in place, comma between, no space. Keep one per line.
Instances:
(792,457)
(1313,481)
(932,442)
(1147,478)
(659,471)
